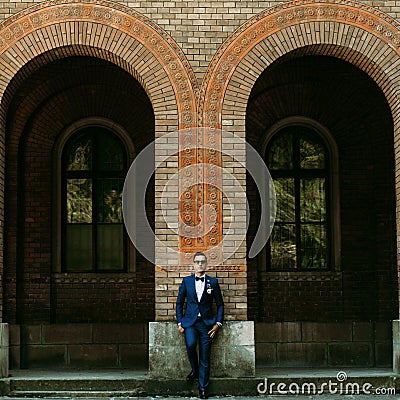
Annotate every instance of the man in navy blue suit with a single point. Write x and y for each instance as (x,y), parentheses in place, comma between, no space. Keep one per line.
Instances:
(198,322)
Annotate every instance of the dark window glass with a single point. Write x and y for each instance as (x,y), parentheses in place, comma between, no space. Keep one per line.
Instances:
(79,154)
(280,153)
(297,159)
(93,166)
(79,201)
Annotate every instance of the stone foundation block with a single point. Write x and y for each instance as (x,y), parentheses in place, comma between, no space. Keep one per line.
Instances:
(44,356)
(66,333)
(396,346)
(4,350)
(93,356)
(278,332)
(350,354)
(301,354)
(232,353)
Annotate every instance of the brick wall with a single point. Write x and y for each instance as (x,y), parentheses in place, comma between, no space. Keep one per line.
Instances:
(232,283)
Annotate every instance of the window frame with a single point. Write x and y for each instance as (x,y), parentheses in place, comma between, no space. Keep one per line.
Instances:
(59,193)
(332,193)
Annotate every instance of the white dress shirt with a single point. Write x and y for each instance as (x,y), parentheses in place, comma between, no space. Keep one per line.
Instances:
(200,286)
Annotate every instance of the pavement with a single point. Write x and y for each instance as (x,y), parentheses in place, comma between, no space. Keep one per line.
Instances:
(270,383)
(261,372)
(275,397)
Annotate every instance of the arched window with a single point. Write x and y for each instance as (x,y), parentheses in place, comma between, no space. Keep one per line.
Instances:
(298,160)
(94,163)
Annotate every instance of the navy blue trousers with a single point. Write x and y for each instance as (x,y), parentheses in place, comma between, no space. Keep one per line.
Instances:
(200,362)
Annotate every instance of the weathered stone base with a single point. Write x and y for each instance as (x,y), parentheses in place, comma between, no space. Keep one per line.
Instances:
(233,351)
(277,344)
(4,340)
(396,346)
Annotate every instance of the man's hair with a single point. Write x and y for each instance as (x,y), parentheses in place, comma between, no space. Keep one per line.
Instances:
(199,253)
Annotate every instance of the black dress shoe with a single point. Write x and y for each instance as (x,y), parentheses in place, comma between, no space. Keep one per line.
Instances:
(191,377)
(203,394)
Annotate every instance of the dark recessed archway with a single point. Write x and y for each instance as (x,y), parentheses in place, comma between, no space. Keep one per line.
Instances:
(347,103)
(46,102)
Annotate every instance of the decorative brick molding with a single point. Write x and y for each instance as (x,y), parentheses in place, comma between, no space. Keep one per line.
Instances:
(219,268)
(99,24)
(303,276)
(300,13)
(91,278)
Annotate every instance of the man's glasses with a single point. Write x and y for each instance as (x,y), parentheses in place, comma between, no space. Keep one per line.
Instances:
(200,261)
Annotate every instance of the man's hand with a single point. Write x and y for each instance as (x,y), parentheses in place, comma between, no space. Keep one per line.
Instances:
(213,331)
(180,329)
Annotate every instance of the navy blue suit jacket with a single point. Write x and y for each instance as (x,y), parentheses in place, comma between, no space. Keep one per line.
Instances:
(187,291)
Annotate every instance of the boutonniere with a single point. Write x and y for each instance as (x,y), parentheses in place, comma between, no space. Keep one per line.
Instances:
(209,288)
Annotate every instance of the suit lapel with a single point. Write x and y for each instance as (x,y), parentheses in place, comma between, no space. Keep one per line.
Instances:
(193,287)
(205,287)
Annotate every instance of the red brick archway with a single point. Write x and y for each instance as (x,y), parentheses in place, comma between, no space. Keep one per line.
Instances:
(359,34)
(354,27)
(111,29)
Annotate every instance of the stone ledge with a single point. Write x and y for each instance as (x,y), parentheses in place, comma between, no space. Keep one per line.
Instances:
(91,278)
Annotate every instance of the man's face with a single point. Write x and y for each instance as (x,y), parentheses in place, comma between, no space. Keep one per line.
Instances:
(200,264)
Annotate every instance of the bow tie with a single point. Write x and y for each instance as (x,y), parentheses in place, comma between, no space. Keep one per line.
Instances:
(200,279)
